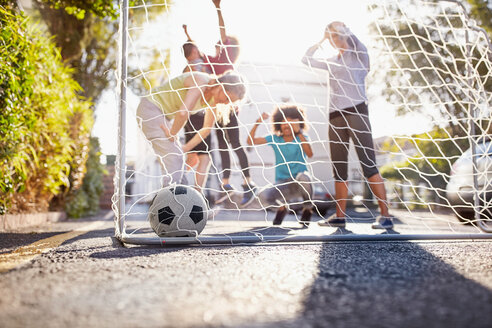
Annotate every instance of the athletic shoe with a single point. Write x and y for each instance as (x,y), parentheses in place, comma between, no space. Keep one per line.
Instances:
(383,222)
(306,216)
(249,194)
(227,190)
(279,216)
(333,221)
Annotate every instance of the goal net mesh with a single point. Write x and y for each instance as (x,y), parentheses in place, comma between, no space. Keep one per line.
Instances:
(429,93)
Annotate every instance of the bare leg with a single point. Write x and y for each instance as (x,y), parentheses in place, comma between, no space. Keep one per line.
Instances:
(201,173)
(376,183)
(341,194)
(191,160)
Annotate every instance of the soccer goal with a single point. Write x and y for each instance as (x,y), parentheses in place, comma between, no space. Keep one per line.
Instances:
(391,110)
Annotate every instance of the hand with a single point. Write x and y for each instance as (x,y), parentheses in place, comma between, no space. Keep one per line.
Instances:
(216,3)
(185,27)
(167,133)
(264,117)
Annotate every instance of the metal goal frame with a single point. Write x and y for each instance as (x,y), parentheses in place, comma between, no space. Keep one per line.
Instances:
(120,178)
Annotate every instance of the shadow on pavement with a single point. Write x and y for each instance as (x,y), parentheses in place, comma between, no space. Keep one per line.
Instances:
(375,284)
(97,233)
(342,231)
(140,251)
(9,241)
(391,285)
(390,232)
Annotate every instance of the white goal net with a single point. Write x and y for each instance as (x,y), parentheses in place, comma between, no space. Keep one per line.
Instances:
(376,126)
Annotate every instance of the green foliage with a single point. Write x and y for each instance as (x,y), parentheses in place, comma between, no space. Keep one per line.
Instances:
(481,11)
(99,8)
(87,35)
(424,64)
(401,171)
(429,62)
(85,200)
(78,8)
(44,124)
(434,154)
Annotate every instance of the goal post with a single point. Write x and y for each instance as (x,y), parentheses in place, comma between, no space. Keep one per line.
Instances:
(431,66)
(122,74)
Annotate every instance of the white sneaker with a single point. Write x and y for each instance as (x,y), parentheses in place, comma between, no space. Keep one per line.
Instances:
(383,222)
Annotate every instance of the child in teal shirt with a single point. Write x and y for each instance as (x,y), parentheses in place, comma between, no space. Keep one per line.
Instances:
(291,147)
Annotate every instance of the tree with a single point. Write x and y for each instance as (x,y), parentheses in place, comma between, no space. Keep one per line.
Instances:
(481,11)
(87,34)
(424,60)
(428,62)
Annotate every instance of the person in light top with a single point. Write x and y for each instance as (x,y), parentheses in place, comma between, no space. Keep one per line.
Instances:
(348,112)
(162,114)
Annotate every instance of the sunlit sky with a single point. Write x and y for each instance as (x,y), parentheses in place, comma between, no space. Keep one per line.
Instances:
(270,31)
(273,31)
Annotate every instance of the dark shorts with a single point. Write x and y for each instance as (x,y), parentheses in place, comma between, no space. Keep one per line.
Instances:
(195,123)
(351,123)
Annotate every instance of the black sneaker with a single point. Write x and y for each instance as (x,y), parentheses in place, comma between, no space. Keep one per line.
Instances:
(306,216)
(249,194)
(333,222)
(227,190)
(279,216)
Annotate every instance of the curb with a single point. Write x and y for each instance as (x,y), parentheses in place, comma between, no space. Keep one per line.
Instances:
(11,222)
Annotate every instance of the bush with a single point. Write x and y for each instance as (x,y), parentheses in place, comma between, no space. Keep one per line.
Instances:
(85,200)
(45,125)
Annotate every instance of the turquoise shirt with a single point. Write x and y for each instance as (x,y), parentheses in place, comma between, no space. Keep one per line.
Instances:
(290,159)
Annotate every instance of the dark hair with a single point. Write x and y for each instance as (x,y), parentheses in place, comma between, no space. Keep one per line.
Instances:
(281,113)
(188,47)
(233,82)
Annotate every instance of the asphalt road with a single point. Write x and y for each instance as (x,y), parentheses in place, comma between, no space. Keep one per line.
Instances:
(91,280)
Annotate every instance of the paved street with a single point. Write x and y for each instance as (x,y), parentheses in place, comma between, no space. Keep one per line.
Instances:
(91,280)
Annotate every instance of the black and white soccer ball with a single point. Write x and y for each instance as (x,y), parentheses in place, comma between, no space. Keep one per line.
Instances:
(178,211)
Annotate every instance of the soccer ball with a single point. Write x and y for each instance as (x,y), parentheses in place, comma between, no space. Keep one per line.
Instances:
(178,211)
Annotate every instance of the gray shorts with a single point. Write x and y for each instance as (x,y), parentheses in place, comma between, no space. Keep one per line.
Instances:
(355,125)
(288,191)
(150,117)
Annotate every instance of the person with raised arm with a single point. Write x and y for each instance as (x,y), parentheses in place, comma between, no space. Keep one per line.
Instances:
(227,130)
(194,57)
(291,147)
(348,118)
